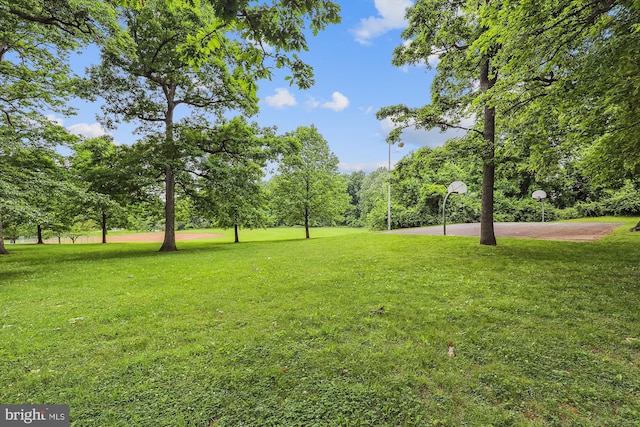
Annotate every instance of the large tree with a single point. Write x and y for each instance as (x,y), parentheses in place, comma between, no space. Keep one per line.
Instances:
(36,187)
(189,54)
(308,189)
(354,217)
(372,195)
(570,84)
(150,80)
(447,29)
(573,70)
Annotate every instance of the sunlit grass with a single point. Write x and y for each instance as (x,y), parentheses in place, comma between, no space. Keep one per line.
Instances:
(280,330)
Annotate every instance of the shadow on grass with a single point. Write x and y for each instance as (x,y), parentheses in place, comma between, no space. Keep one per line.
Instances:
(6,276)
(52,253)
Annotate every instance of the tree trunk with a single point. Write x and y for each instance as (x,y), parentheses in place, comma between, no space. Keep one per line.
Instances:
(306,220)
(169,244)
(104,227)
(235,231)
(487,234)
(40,241)
(636,228)
(3,250)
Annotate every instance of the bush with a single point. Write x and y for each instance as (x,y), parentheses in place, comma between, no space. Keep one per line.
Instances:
(567,213)
(625,202)
(590,209)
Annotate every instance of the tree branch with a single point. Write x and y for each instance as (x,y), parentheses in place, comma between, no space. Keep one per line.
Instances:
(67,26)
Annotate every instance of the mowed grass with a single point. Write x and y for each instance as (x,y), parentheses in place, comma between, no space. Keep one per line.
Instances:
(285,331)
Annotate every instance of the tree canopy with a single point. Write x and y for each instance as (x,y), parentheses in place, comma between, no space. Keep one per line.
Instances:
(36,38)
(569,75)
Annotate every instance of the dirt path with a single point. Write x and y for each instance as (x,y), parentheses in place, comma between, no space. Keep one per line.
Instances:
(571,231)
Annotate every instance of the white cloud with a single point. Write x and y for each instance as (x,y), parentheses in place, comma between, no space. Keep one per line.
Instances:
(391,17)
(338,102)
(54,119)
(421,138)
(366,167)
(87,130)
(282,98)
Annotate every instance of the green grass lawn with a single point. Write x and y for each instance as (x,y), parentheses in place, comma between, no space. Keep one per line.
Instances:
(286,331)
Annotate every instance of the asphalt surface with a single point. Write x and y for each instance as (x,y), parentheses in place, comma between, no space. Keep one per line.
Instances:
(571,231)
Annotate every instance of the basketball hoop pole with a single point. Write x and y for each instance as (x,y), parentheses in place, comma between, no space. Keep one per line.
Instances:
(540,199)
(444,214)
(457,187)
(540,195)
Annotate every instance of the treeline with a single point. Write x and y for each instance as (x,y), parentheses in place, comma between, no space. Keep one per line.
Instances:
(420,180)
(100,185)
(548,92)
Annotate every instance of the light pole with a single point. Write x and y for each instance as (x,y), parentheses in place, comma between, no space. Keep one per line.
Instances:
(400,145)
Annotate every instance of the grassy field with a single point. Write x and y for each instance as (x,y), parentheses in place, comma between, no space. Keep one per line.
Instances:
(285,331)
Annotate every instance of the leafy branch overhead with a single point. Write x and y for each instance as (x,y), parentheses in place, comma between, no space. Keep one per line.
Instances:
(268,35)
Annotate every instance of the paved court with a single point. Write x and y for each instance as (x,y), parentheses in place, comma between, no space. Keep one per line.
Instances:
(572,231)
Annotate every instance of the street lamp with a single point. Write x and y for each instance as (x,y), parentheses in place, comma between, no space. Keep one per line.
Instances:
(400,145)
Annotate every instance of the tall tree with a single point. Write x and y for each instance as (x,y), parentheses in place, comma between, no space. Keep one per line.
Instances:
(447,28)
(35,188)
(570,78)
(204,56)
(151,79)
(308,189)
(354,185)
(373,192)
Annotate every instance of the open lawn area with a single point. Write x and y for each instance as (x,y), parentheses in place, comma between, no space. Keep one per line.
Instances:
(349,328)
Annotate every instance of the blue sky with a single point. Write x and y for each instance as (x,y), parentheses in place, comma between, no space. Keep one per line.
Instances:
(354,78)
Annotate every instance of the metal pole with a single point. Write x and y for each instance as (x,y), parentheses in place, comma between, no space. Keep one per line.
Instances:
(444,215)
(542,210)
(389,193)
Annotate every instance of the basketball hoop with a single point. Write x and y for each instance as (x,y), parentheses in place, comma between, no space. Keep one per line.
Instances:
(540,195)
